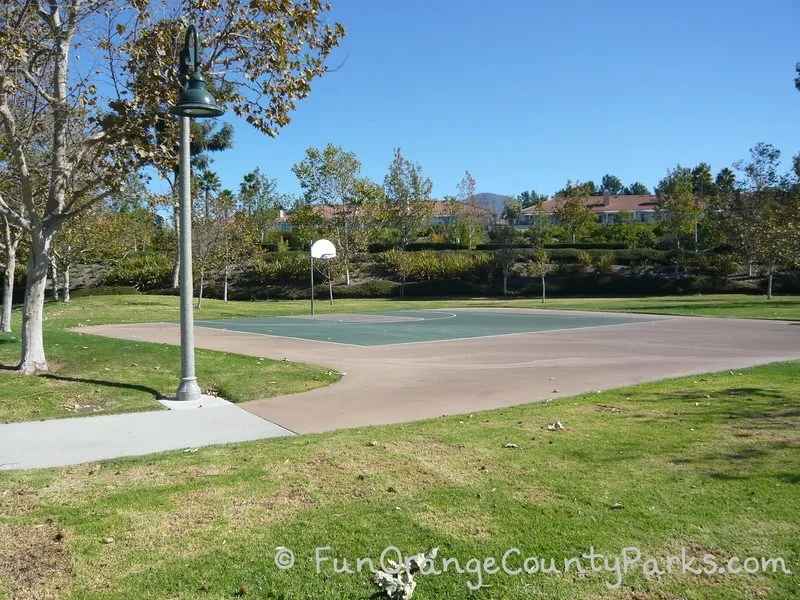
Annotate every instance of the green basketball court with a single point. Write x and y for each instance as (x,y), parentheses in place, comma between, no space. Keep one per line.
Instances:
(411,326)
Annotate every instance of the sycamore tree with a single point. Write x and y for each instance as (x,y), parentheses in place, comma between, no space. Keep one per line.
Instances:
(12,236)
(572,212)
(95,77)
(331,177)
(11,239)
(760,218)
(407,198)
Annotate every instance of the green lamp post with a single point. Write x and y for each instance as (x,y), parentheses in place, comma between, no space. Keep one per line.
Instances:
(195,101)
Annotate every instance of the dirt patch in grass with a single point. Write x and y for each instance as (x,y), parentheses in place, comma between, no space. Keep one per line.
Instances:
(16,502)
(34,561)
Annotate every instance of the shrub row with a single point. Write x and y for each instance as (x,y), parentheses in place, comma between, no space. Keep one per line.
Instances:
(421,246)
(425,265)
(105,290)
(142,271)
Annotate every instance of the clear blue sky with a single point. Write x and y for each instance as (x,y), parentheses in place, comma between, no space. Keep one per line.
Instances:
(526,94)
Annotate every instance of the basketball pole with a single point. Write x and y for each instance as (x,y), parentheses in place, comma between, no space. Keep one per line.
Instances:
(312,285)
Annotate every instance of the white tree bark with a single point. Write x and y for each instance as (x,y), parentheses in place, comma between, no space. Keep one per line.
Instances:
(11,245)
(225,286)
(66,283)
(54,277)
(33,357)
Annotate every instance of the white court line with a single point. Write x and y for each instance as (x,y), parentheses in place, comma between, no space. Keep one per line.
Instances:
(288,337)
(316,323)
(494,335)
(461,339)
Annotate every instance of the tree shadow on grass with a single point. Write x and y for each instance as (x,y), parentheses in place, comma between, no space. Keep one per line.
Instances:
(114,384)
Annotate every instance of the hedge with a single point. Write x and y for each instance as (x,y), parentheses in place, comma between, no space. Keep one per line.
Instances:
(592,246)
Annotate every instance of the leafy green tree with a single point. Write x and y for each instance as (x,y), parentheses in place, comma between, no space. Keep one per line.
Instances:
(572,212)
(407,198)
(637,188)
(677,204)
(760,219)
(330,177)
(260,201)
(612,183)
(512,210)
(539,266)
(507,239)
(540,233)
(761,171)
(306,223)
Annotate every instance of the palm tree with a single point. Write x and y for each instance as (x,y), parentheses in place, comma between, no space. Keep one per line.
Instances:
(208,182)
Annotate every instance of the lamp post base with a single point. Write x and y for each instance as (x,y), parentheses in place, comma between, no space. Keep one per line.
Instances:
(188,389)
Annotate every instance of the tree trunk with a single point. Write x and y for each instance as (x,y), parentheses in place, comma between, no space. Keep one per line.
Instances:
(11,245)
(347,275)
(769,286)
(543,289)
(66,283)
(33,358)
(176,271)
(200,295)
(225,286)
(330,290)
(505,284)
(54,277)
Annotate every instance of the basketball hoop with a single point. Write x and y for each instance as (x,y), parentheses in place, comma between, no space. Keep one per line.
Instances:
(323,249)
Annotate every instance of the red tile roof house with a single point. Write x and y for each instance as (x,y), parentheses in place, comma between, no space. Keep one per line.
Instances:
(606,207)
(440,213)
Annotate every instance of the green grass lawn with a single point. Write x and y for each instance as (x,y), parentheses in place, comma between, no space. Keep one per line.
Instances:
(706,463)
(94,375)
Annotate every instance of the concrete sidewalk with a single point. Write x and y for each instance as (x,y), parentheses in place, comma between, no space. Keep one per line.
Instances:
(62,442)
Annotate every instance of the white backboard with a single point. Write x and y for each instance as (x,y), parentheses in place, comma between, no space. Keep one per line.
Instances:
(323,249)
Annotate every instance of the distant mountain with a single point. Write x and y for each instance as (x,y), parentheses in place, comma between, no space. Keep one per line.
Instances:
(493,202)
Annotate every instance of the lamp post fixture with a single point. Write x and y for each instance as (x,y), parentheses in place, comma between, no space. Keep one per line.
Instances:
(195,101)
